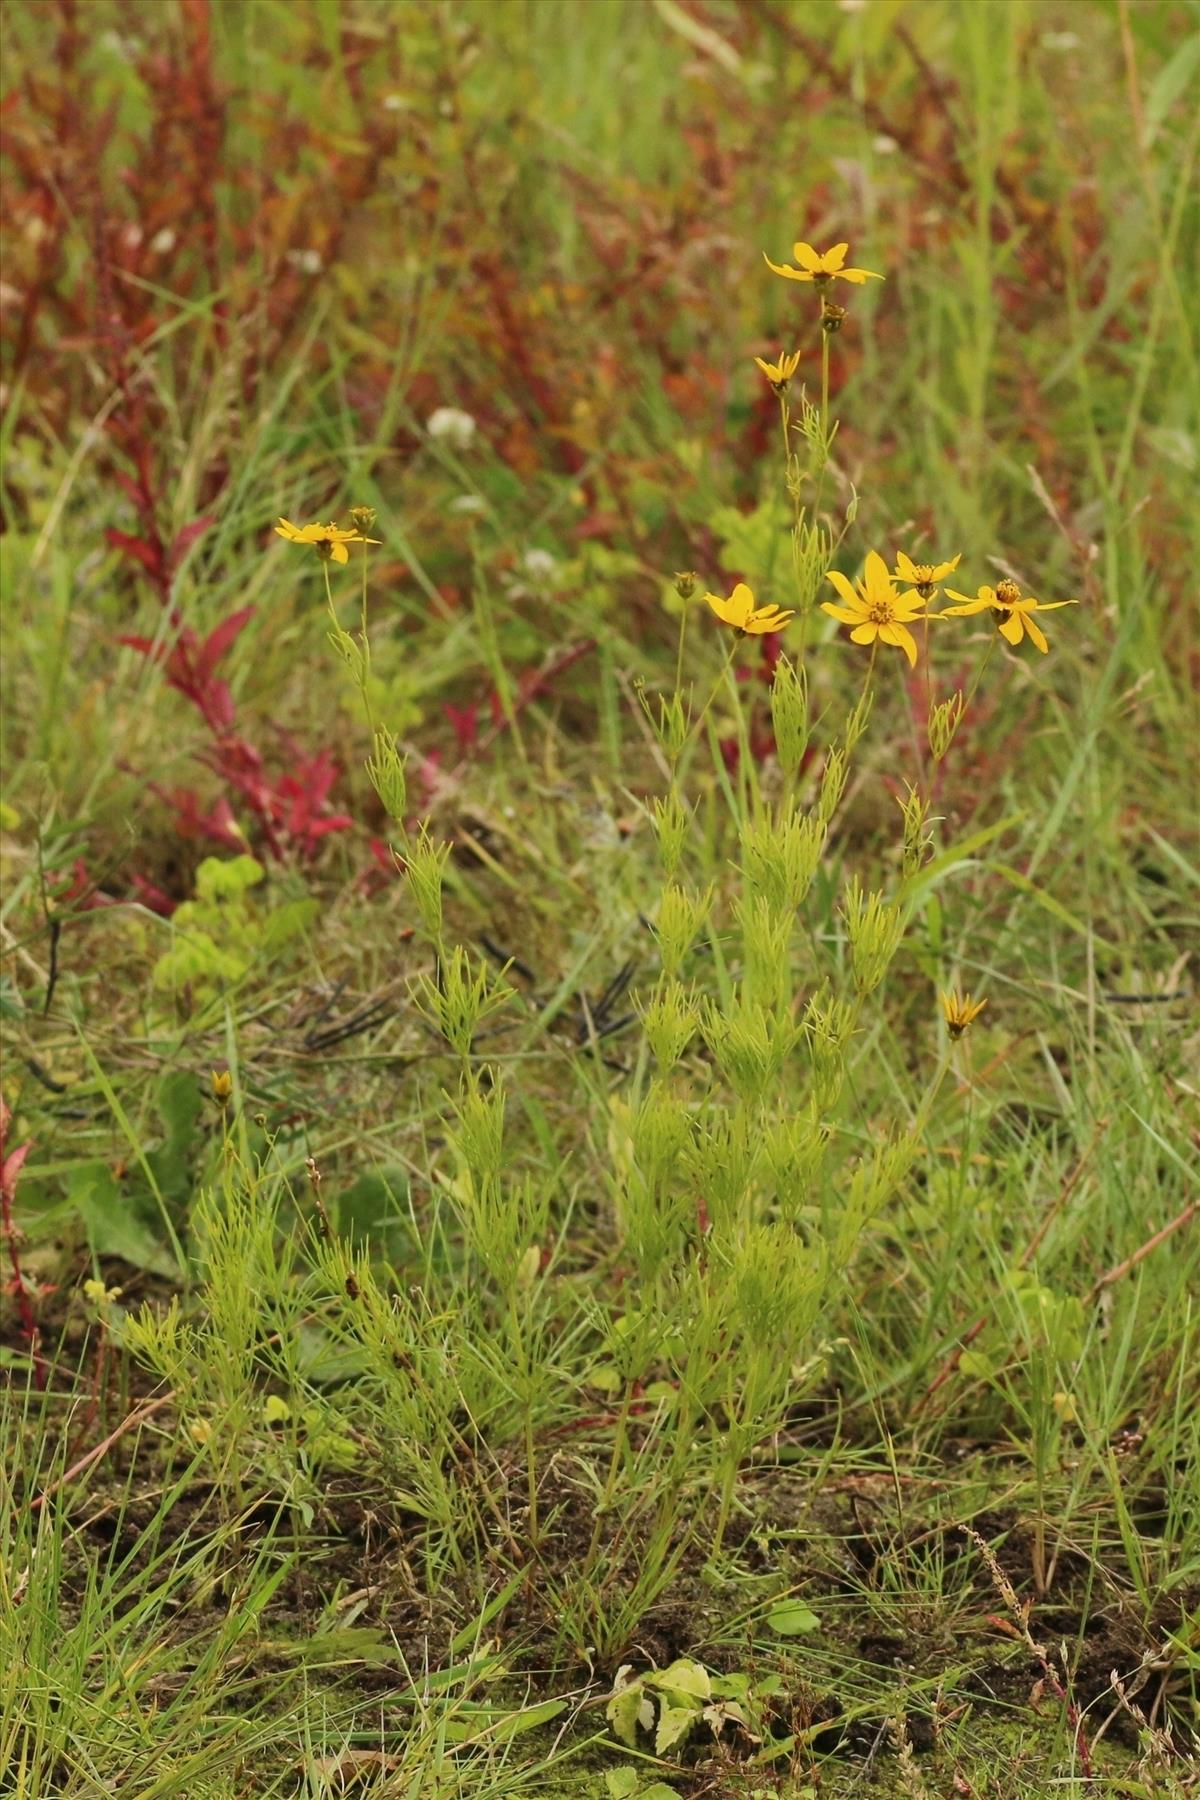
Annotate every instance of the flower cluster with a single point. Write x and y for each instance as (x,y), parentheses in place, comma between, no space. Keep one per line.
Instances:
(883,605)
(876,610)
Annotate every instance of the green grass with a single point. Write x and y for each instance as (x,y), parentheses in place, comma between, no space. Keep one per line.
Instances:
(603,1256)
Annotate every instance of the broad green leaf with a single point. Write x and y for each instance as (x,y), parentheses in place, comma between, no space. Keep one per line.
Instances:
(624,1713)
(685,1678)
(675,1725)
(112,1222)
(791,1618)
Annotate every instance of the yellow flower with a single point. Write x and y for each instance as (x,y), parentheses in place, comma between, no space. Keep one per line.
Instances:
(780,373)
(327,540)
(221,1082)
(740,612)
(821,266)
(960,1010)
(875,609)
(1015,611)
(99,1295)
(924,576)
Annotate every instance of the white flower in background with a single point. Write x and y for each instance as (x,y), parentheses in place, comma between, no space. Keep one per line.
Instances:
(162,241)
(309,262)
(451,426)
(539,565)
(536,574)
(468,503)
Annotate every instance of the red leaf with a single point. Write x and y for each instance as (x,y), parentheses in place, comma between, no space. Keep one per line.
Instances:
(465,720)
(222,638)
(152,897)
(148,555)
(11,1168)
(129,487)
(187,537)
(143,645)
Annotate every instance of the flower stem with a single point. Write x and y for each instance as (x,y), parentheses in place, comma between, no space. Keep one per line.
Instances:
(823,419)
(747,780)
(824,385)
(980,672)
(870,667)
(683,614)
(366,648)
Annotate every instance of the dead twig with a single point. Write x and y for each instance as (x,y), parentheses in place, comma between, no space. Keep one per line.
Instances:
(1160,1237)
(137,1417)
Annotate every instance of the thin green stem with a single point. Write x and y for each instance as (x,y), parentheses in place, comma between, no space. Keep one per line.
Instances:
(620,1438)
(980,672)
(366,650)
(824,386)
(703,713)
(824,422)
(747,775)
(683,616)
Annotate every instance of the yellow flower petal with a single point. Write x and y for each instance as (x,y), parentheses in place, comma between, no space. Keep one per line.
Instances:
(845,615)
(742,600)
(878,580)
(722,608)
(1036,635)
(766,619)
(946,568)
(1012,628)
(865,633)
(858,276)
(908,606)
(833,259)
(905,567)
(788,273)
(845,589)
(901,636)
(985,598)
(339,552)
(808,258)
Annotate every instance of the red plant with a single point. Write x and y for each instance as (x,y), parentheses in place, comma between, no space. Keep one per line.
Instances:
(11,1163)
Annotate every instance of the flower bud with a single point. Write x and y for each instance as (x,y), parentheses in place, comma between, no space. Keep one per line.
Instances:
(944,721)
